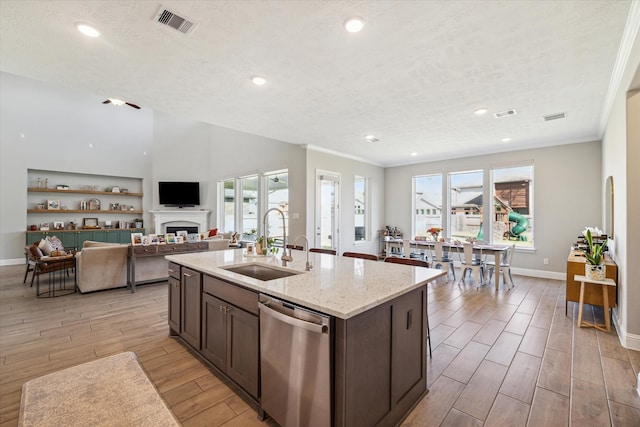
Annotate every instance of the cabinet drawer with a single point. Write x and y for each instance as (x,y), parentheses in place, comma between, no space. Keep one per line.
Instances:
(234,294)
(144,250)
(198,246)
(174,270)
(165,249)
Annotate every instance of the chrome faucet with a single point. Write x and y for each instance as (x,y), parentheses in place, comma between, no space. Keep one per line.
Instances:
(285,258)
(309,265)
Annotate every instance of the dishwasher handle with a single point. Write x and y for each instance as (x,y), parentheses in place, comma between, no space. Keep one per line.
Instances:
(293,321)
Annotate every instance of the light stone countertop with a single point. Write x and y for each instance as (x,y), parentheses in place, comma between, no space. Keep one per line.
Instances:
(337,285)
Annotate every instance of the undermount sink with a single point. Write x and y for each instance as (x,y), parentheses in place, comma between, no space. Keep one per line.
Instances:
(261,272)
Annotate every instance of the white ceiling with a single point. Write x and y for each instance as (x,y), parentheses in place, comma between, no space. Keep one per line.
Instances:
(412,77)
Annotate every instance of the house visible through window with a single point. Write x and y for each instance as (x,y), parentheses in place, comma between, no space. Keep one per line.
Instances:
(512,213)
(360,208)
(466,205)
(427,203)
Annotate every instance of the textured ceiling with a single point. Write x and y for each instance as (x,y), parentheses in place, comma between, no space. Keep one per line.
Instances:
(412,77)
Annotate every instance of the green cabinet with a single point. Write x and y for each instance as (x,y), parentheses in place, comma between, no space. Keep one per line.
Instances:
(76,238)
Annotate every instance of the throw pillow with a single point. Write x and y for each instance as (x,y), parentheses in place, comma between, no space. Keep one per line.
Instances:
(213,232)
(45,247)
(55,242)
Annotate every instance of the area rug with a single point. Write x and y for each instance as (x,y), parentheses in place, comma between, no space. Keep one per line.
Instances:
(113,391)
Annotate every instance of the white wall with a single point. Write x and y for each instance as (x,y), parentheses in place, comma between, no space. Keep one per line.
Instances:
(567,194)
(50,128)
(621,159)
(348,169)
(188,150)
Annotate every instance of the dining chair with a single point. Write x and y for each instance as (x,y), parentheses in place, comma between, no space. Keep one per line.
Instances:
(360,255)
(441,260)
(415,263)
(504,267)
(323,251)
(470,263)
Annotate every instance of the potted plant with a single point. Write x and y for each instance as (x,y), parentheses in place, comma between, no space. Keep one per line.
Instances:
(261,250)
(137,222)
(595,268)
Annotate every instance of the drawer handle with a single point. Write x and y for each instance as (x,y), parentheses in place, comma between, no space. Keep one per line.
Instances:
(171,271)
(188,275)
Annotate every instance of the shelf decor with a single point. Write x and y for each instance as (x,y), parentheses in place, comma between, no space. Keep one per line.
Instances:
(53,205)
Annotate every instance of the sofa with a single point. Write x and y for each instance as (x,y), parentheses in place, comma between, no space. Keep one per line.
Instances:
(104,265)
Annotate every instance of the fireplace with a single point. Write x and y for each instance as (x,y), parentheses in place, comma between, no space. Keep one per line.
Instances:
(181,220)
(188,229)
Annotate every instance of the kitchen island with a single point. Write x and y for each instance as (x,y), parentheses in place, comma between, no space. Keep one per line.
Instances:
(377,330)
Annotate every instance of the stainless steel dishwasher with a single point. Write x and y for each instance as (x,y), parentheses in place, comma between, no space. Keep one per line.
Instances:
(295,364)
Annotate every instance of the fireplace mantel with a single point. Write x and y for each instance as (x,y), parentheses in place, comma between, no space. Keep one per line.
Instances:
(180,217)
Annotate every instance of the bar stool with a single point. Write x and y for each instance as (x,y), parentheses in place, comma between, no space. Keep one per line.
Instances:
(605,296)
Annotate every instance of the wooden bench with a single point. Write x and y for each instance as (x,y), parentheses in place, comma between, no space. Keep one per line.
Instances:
(113,391)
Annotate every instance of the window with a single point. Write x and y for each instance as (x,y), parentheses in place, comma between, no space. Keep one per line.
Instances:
(277,185)
(466,205)
(512,213)
(249,220)
(428,203)
(360,210)
(227,189)
(243,202)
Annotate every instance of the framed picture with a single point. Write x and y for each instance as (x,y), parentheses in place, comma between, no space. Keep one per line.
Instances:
(162,240)
(44,226)
(58,225)
(53,205)
(180,239)
(182,233)
(193,238)
(90,222)
(171,238)
(145,240)
(136,239)
(153,239)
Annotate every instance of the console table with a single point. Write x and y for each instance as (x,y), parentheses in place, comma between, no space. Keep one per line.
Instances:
(140,251)
(592,292)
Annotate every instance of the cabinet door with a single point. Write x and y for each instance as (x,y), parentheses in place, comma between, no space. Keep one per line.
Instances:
(68,240)
(408,341)
(35,237)
(81,237)
(98,236)
(243,359)
(125,236)
(112,236)
(191,306)
(214,331)
(174,304)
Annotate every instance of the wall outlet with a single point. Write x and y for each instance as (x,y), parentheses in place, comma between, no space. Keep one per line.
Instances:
(546,261)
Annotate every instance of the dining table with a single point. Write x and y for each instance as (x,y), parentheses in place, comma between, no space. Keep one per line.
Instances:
(495,250)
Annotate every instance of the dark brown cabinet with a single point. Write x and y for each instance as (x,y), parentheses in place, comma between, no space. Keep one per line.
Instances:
(175,299)
(230,335)
(191,296)
(389,340)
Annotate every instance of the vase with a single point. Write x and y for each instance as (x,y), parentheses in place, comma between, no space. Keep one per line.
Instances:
(595,272)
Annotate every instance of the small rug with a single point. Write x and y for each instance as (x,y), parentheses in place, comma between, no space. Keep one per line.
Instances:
(113,391)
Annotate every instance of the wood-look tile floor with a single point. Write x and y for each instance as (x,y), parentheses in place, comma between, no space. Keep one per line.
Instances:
(510,358)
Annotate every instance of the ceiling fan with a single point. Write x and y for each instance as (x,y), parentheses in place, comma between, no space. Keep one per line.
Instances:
(119,102)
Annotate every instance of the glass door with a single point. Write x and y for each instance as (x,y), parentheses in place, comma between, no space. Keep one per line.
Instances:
(327,196)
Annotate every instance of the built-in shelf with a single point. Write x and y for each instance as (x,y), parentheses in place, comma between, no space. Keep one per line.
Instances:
(62,211)
(93,192)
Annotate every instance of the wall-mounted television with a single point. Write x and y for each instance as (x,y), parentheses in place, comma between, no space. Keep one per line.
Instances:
(180,194)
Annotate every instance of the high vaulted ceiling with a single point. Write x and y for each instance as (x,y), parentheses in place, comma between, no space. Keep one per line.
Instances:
(412,77)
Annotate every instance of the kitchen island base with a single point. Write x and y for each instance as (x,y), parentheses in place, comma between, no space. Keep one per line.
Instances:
(377,353)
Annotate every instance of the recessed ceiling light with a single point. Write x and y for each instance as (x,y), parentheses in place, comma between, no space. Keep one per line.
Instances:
(258,81)
(414,154)
(115,101)
(371,138)
(480,111)
(353,25)
(507,139)
(87,30)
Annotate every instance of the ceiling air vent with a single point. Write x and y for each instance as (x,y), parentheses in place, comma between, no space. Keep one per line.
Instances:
(505,114)
(554,117)
(175,21)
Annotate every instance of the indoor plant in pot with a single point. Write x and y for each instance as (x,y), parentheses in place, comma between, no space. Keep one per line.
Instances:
(594,268)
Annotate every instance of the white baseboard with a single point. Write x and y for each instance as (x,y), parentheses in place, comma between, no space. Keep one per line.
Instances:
(14,261)
(630,341)
(556,275)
